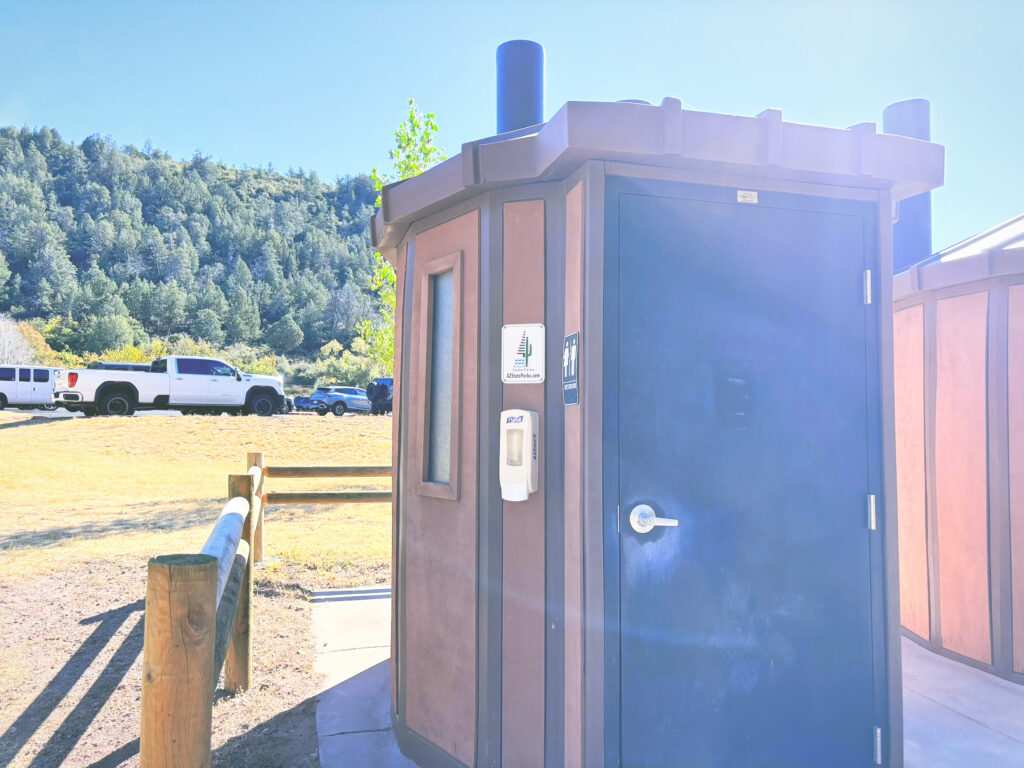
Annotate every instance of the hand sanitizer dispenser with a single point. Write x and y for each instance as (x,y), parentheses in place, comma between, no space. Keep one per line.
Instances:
(518,454)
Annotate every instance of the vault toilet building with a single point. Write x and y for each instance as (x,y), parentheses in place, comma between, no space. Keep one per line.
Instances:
(725,283)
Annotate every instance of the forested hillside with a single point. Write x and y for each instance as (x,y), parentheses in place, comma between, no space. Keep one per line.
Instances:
(111,246)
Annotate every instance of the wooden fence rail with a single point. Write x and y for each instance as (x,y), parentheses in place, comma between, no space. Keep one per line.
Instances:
(199,613)
(276,498)
(198,621)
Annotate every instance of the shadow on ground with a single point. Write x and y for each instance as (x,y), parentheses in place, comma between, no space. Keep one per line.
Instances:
(133,518)
(287,740)
(35,420)
(67,735)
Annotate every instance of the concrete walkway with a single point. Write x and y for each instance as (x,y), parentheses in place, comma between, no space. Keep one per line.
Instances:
(954,716)
(353,634)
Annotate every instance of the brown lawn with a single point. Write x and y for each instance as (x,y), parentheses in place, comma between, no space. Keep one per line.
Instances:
(85,502)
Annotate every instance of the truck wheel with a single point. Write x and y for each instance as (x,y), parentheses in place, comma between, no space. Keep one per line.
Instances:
(117,404)
(262,405)
(339,409)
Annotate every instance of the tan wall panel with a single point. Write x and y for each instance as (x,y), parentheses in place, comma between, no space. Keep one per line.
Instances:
(574,490)
(522,687)
(1016,439)
(961,474)
(441,534)
(908,332)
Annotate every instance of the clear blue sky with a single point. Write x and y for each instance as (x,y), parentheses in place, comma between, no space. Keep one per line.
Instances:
(322,85)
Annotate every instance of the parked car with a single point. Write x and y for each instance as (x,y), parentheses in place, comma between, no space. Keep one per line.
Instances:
(186,384)
(339,400)
(304,404)
(26,387)
(380,392)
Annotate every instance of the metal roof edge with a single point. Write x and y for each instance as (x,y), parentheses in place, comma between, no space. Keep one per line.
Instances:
(664,134)
(930,276)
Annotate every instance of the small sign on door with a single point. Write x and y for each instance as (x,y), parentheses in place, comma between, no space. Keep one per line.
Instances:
(570,369)
(522,354)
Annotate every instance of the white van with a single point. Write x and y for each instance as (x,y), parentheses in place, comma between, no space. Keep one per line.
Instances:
(26,386)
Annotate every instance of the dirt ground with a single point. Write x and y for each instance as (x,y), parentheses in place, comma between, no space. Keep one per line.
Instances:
(85,502)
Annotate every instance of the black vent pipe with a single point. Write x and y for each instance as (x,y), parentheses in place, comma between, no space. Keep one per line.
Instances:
(520,85)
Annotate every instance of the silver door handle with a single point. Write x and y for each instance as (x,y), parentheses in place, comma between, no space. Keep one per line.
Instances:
(644,520)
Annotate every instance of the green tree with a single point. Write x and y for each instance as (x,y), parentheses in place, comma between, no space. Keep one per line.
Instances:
(209,327)
(413,153)
(284,335)
(5,283)
(243,321)
(106,332)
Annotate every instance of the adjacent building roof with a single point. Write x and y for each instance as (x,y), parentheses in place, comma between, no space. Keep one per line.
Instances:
(668,136)
(996,252)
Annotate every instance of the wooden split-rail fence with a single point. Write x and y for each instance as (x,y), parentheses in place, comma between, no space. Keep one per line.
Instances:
(199,613)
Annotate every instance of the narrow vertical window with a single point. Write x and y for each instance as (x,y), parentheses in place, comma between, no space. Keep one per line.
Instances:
(442,336)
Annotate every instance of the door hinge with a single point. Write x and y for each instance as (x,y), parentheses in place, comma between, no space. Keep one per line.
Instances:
(872,513)
(867,286)
(878,745)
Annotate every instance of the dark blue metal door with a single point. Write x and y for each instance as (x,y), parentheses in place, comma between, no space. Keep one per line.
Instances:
(744,414)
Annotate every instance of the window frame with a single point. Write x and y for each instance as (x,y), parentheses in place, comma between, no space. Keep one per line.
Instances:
(14,372)
(452,262)
(24,375)
(37,372)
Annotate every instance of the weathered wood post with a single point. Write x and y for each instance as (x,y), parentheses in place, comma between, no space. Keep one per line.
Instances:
(177,667)
(256,460)
(238,665)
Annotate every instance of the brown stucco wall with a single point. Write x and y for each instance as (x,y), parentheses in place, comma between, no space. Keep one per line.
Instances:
(522,689)
(440,534)
(908,333)
(1016,447)
(574,490)
(961,474)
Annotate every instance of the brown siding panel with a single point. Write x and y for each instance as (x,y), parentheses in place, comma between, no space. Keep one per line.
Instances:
(522,689)
(574,491)
(961,474)
(1016,435)
(908,332)
(401,263)
(440,534)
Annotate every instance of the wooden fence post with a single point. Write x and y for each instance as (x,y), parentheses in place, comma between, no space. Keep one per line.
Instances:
(238,665)
(177,667)
(256,460)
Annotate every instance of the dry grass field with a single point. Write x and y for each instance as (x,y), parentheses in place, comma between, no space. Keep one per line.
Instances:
(85,502)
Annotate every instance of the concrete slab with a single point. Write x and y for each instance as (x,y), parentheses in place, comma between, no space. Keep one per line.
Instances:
(376,749)
(956,716)
(353,640)
(357,704)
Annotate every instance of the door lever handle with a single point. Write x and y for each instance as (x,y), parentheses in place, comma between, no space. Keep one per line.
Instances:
(644,520)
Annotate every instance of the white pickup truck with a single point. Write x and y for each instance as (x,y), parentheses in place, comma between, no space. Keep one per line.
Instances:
(186,384)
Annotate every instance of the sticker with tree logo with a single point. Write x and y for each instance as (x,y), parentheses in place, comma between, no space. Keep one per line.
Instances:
(522,354)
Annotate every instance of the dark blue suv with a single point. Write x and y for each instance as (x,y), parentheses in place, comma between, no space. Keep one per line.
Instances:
(379,393)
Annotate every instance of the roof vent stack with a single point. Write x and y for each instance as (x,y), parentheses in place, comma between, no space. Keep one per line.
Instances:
(520,85)
(912,233)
